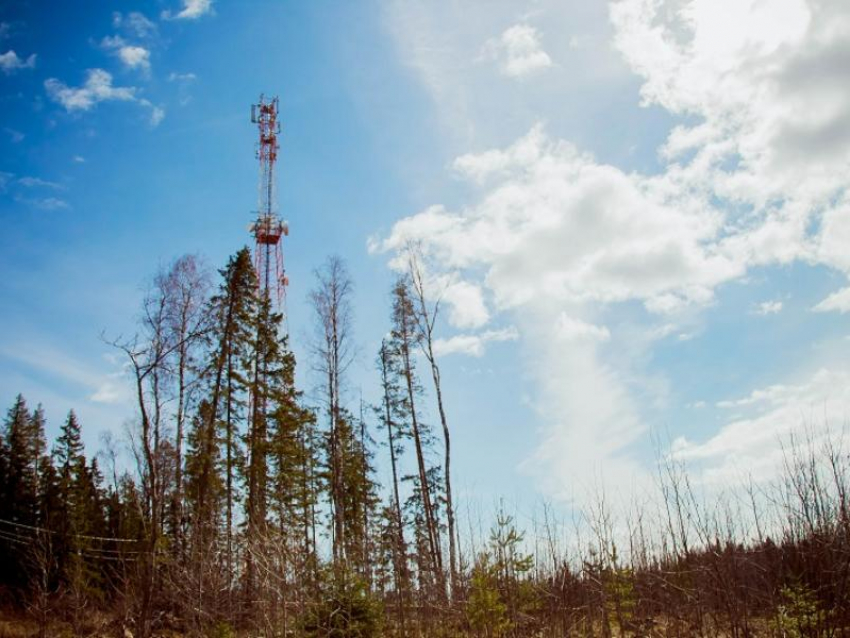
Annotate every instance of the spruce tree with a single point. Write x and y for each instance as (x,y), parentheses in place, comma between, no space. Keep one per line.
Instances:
(216,455)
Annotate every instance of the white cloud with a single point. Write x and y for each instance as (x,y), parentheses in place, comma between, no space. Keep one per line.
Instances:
(135,23)
(97,88)
(753,175)
(104,387)
(570,328)
(768,308)
(192,10)
(557,225)
(752,444)
(131,56)
(45,203)
(37,182)
(181,77)
(135,57)
(836,302)
(518,51)
(78,159)
(10,62)
(466,305)
(157,114)
(473,344)
(763,77)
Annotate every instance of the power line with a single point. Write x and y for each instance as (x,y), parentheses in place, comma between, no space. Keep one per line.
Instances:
(42,530)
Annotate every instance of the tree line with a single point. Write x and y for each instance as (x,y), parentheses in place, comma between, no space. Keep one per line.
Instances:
(249,510)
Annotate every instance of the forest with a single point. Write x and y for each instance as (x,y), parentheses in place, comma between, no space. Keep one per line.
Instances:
(248,510)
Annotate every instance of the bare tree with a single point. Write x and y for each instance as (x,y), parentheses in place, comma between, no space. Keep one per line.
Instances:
(185,288)
(333,353)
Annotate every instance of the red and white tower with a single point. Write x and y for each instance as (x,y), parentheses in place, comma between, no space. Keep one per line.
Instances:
(268,228)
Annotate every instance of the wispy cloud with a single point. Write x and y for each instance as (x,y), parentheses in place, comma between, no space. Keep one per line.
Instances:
(10,62)
(768,308)
(44,203)
(181,77)
(752,443)
(37,182)
(192,10)
(518,51)
(102,387)
(15,136)
(134,23)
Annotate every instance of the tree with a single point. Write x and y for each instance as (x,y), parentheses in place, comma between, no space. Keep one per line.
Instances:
(333,354)
(233,313)
(404,338)
(392,416)
(425,314)
(19,496)
(185,288)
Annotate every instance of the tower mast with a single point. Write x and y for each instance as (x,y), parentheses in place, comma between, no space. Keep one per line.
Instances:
(268,228)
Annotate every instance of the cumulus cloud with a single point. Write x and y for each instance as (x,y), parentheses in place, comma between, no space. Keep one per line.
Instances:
(558,225)
(518,51)
(131,56)
(10,62)
(192,10)
(754,175)
(473,344)
(97,88)
(466,305)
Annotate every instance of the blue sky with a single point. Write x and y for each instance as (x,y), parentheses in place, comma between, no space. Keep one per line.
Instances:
(635,210)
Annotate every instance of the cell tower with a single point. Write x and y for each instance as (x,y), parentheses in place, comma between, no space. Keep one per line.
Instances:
(268,228)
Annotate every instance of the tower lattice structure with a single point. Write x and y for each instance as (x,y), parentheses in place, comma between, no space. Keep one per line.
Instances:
(268,228)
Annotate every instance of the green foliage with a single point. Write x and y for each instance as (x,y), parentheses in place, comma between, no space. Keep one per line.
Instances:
(800,614)
(486,613)
(346,609)
(222,630)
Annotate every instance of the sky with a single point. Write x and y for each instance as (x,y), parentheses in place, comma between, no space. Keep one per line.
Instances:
(636,212)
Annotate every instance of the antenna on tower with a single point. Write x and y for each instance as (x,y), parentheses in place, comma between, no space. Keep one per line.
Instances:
(268,228)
